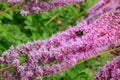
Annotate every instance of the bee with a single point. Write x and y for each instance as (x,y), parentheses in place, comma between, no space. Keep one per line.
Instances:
(79,33)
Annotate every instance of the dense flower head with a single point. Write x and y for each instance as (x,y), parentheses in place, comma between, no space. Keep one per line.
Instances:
(64,49)
(36,6)
(101,7)
(111,71)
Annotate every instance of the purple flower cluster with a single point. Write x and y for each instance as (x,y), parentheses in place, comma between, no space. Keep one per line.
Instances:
(36,6)
(111,71)
(101,7)
(64,49)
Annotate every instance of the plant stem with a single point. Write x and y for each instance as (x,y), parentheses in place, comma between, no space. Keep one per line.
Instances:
(101,53)
(11,8)
(9,67)
(52,19)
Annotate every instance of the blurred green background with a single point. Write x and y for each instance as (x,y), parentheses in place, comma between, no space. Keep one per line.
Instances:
(16,29)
